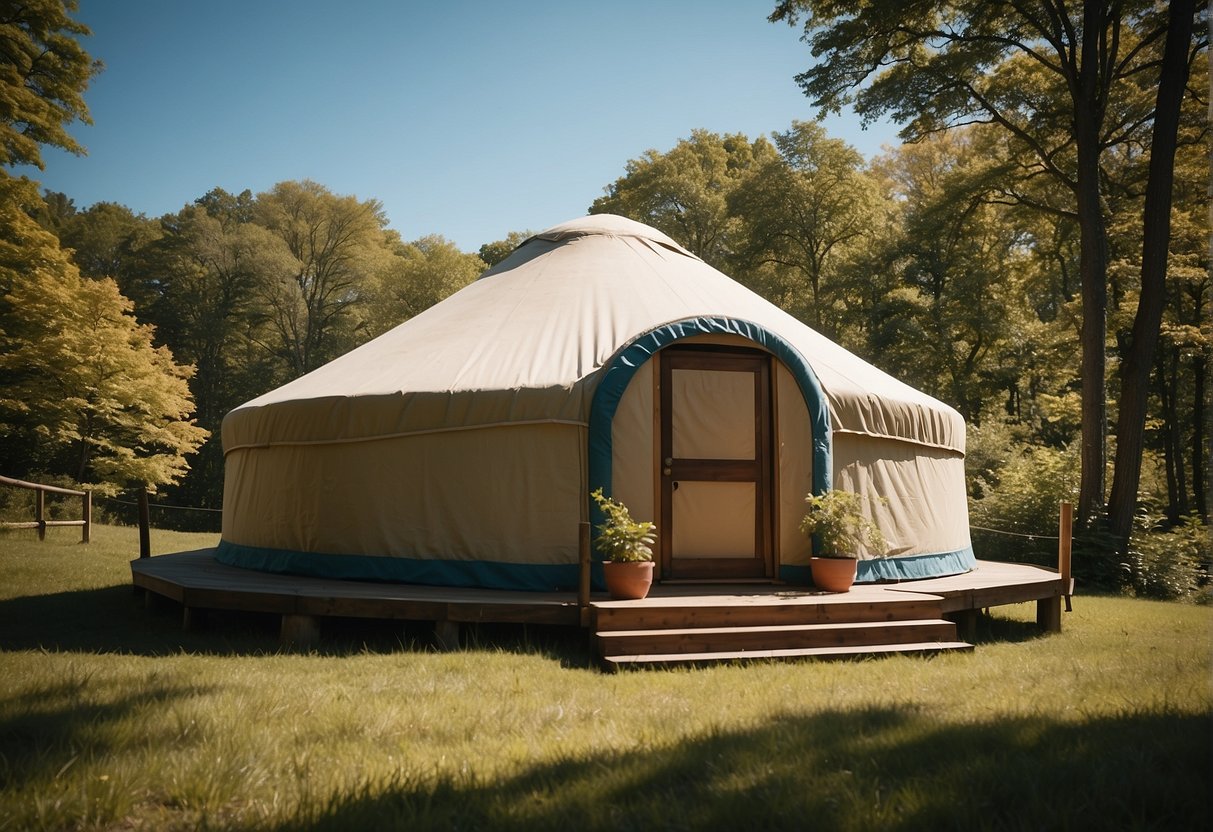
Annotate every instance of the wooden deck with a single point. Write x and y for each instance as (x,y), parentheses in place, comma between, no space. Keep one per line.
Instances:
(675,624)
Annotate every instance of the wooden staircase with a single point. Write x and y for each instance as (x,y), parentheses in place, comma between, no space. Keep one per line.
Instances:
(681,630)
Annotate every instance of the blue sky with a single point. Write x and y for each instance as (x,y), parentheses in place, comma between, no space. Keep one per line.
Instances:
(466,119)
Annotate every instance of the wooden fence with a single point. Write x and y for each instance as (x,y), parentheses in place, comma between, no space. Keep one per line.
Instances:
(40,522)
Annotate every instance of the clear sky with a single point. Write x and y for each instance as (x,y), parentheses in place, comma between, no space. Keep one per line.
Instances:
(466,118)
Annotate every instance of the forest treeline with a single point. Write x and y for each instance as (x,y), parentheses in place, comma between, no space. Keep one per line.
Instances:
(959,262)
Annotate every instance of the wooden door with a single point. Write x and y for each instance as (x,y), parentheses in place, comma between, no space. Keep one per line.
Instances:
(716,491)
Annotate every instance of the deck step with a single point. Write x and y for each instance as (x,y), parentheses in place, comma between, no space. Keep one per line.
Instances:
(780,636)
(616,662)
(669,613)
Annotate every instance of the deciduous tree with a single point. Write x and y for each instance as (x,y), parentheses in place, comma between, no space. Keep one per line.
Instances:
(44,72)
(685,191)
(80,381)
(801,211)
(339,244)
(420,274)
(1064,82)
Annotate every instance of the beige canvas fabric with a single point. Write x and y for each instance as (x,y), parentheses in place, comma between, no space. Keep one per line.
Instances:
(461,434)
(534,330)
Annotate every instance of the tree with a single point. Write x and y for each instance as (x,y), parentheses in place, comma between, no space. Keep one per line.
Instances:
(684,192)
(105,240)
(496,251)
(958,310)
(339,244)
(1064,85)
(44,72)
(422,273)
(78,374)
(1138,360)
(210,275)
(801,211)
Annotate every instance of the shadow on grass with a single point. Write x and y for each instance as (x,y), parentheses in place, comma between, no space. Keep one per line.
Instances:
(994,629)
(55,725)
(117,619)
(873,768)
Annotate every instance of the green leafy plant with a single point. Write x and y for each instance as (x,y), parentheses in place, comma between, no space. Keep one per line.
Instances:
(1168,564)
(841,529)
(620,538)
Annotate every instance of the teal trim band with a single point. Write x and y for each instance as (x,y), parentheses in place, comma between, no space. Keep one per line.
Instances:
(534,577)
(892,570)
(796,575)
(616,374)
(916,567)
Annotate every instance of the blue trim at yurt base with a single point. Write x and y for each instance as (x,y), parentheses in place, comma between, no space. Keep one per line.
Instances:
(619,371)
(534,577)
(894,569)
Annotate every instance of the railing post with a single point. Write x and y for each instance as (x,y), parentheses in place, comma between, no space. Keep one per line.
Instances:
(40,512)
(583,582)
(86,534)
(145,537)
(1065,533)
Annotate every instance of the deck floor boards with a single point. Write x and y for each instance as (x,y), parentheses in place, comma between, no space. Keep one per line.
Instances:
(196,579)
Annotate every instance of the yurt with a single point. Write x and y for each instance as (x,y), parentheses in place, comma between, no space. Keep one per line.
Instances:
(461,447)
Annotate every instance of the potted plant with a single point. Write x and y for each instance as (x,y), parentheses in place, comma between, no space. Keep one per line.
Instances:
(840,533)
(627,546)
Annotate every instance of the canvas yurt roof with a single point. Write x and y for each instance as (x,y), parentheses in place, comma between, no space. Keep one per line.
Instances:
(526,343)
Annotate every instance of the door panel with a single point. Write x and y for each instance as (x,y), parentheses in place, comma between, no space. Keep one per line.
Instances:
(716,465)
(714,414)
(705,520)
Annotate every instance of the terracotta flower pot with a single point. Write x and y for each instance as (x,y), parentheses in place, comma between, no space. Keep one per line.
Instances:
(833,574)
(628,581)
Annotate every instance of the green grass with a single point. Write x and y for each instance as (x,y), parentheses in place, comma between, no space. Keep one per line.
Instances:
(112,717)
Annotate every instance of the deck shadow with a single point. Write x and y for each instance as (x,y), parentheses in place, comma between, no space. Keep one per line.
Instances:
(117,619)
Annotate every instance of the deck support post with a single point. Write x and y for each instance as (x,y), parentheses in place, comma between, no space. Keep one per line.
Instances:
(583,576)
(40,512)
(966,623)
(446,635)
(145,523)
(192,618)
(299,630)
(1048,614)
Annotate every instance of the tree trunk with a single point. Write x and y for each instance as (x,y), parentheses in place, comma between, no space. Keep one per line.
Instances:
(1156,238)
(1166,373)
(1093,266)
(1200,411)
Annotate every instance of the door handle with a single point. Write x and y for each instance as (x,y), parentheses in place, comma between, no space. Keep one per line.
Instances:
(669,460)
(666,471)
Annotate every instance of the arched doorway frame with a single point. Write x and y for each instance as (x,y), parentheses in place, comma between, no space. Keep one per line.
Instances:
(618,372)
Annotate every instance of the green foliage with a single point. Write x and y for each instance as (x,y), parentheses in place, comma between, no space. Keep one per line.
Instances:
(313,311)
(1168,564)
(1023,496)
(44,72)
(496,251)
(420,274)
(836,519)
(803,213)
(989,445)
(958,310)
(686,191)
(620,538)
(80,376)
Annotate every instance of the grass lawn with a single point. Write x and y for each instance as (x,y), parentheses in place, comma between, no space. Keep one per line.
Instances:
(112,717)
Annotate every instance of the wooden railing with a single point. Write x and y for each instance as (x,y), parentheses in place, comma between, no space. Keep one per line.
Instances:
(1065,543)
(40,522)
